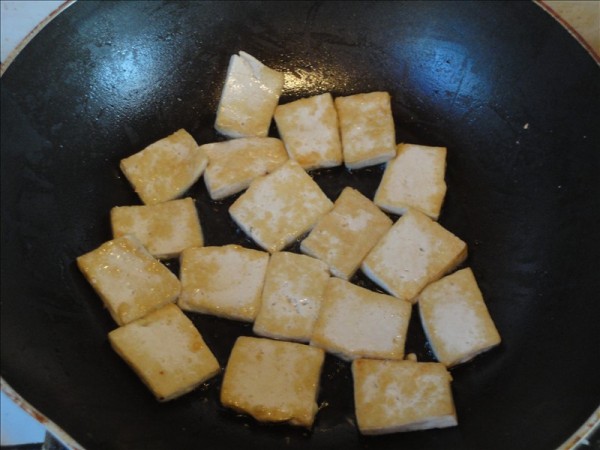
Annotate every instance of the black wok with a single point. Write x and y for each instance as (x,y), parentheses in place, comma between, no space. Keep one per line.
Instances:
(510,93)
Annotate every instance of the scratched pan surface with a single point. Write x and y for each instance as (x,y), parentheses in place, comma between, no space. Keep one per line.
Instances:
(510,93)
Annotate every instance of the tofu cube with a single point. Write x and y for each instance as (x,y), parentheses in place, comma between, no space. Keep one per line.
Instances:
(232,165)
(344,236)
(292,296)
(166,351)
(309,128)
(130,282)
(165,229)
(367,129)
(413,253)
(355,322)
(414,179)
(223,281)
(249,97)
(166,169)
(273,381)
(279,207)
(455,319)
(394,396)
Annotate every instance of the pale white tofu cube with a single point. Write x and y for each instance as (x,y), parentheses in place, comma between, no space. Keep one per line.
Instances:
(414,179)
(273,381)
(249,97)
(279,207)
(413,253)
(395,396)
(455,318)
(367,129)
(309,128)
(232,165)
(291,298)
(166,351)
(166,169)
(223,281)
(344,236)
(165,229)
(355,322)
(130,282)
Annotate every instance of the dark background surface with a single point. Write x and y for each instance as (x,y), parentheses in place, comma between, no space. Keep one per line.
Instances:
(510,93)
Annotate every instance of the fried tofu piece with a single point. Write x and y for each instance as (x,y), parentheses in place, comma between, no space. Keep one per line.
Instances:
(291,298)
(394,396)
(166,169)
(130,282)
(414,179)
(166,351)
(309,128)
(279,207)
(273,381)
(232,165)
(249,97)
(455,319)
(165,229)
(223,281)
(355,322)
(367,129)
(413,253)
(344,236)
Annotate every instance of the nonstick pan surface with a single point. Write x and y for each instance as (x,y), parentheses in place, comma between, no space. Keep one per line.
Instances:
(510,93)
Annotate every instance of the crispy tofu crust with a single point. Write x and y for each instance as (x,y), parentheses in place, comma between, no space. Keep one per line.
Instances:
(130,282)
(165,169)
(358,323)
(223,281)
(455,318)
(344,236)
(273,381)
(292,296)
(394,396)
(166,351)
(309,128)
(414,179)
(249,97)
(234,164)
(366,128)
(413,253)
(279,207)
(165,229)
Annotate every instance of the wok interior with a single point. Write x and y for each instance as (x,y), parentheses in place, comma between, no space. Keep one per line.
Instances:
(515,109)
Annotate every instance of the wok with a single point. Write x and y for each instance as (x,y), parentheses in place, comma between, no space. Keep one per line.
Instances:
(510,93)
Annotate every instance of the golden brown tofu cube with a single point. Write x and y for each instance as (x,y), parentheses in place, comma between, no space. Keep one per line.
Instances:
(355,322)
(223,281)
(344,236)
(394,396)
(309,128)
(455,319)
(367,129)
(413,253)
(130,282)
(234,164)
(279,207)
(166,169)
(165,229)
(166,351)
(249,97)
(291,297)
(414,179)
(273,381)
